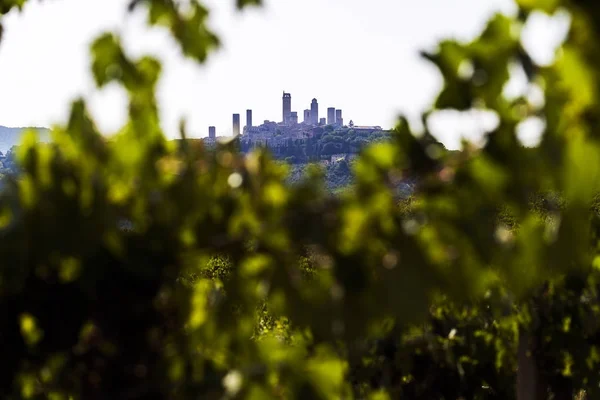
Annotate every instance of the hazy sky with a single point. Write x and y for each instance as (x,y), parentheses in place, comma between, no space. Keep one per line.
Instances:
(357,55)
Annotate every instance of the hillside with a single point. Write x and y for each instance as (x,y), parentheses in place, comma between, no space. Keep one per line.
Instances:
(10,137)
(339,177)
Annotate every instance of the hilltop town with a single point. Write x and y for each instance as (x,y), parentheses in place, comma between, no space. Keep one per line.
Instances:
(324,140)
(313,139)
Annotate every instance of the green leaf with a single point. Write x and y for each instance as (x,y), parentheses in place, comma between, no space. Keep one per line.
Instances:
(546,6)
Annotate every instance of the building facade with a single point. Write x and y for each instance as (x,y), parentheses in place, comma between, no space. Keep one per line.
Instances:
(212,132)
(307,118)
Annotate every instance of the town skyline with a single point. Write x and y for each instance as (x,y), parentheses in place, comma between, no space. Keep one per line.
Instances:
(314,115)
(311,48)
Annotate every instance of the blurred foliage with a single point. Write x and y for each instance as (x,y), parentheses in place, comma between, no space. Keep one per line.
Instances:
(138,267)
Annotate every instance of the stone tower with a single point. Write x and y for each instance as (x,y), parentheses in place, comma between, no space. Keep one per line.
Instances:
(314,112)
(331,116)
(248,119)
(236,124)
(287,107)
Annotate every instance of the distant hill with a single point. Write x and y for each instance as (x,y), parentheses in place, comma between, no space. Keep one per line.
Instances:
(10,137)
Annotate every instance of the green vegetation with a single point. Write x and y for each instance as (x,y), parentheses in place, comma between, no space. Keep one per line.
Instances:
(347,140)
(145,268)
(337,175)
(323,143)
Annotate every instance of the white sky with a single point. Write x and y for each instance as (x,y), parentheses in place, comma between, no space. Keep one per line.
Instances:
(357,55)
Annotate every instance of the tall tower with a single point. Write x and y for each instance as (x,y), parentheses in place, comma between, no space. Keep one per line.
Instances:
(314,112)
(307,119)
(287,106)
(331,116)
(236,124)
(248,118)
(338,118)
(212,132)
